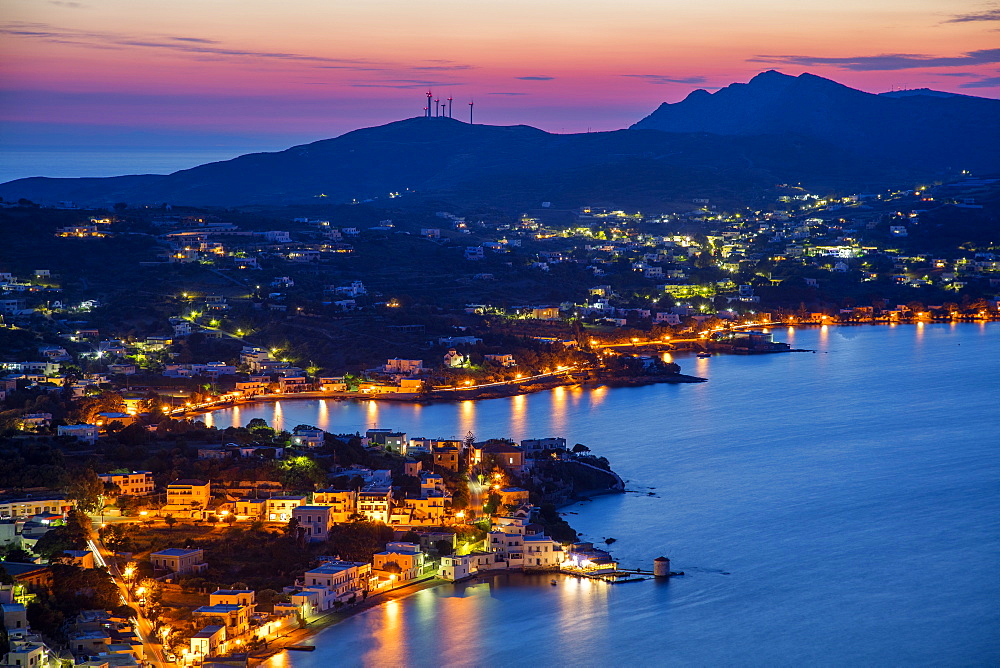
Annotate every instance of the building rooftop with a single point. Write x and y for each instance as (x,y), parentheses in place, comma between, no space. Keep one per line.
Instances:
(208,631)
(329,567)
(175,552)
(537,536)
(218,609)
(231,592)
(15,568)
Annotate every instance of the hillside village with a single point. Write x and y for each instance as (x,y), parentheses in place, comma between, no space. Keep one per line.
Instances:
(279,531)
(134,531)
(236,308)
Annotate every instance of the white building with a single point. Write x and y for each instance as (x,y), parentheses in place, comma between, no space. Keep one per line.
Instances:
(316,521)
(339,580)
(456,567)
(136,483)
(87,433)
(179,560)
(308,437)
(375,503)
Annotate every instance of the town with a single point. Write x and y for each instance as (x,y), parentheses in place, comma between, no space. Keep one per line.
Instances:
(279,531)
(137,533)
(226,308)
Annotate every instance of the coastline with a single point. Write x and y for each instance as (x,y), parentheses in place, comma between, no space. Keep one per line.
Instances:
(514,390)
(333,639)
(328,619)
(332,618)
(449,397)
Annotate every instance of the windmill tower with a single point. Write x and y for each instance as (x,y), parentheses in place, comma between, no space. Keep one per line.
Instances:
(427,110)
(471,104)
(449,106)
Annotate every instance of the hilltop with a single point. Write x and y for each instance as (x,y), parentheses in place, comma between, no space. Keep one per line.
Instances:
(734,143)
(928,129)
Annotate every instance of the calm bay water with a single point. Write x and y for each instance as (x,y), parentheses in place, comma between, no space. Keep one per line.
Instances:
(836,508)
(17,162)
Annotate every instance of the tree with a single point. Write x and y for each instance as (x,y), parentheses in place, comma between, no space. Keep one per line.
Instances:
(126,504)
(461,497)
(71,536)
(302,473)
(170,521)
(87,490)
(44,619)
(87,408)
(492,503)
(149,592)
(117,537)
(358,541)
(83,588)
(266,598)
(259,428)
(292,528)
(15,553)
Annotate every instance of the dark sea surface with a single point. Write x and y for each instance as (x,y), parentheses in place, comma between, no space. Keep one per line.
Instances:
(17,162)
(837,508)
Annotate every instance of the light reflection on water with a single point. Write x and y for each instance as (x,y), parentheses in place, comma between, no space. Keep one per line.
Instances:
(836,508)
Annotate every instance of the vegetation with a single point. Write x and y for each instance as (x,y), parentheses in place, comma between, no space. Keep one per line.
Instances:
(73,535)
(74,589)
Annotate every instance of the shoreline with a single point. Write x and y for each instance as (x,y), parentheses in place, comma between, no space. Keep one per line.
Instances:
(298,636)
(332,618)
(450,397)
(530,388)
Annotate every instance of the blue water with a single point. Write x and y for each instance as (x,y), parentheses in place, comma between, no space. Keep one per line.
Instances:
(836,508)
(21,162)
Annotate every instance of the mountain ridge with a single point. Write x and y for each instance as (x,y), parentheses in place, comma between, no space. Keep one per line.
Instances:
(926,128)
(740,139)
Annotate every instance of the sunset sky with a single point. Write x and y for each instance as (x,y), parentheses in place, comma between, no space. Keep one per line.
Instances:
(247,72)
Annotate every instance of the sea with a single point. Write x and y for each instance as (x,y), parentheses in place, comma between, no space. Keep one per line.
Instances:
(839,507)
(18,162)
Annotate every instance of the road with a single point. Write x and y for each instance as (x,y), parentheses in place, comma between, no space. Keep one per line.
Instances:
(517,381)
(144,628)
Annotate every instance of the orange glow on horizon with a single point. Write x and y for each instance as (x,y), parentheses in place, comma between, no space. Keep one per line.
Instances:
(143,64)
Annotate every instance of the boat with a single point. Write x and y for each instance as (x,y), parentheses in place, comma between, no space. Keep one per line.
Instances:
(704,355)
(553,583)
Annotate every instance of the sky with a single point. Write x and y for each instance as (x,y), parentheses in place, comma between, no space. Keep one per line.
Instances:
(234,75)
